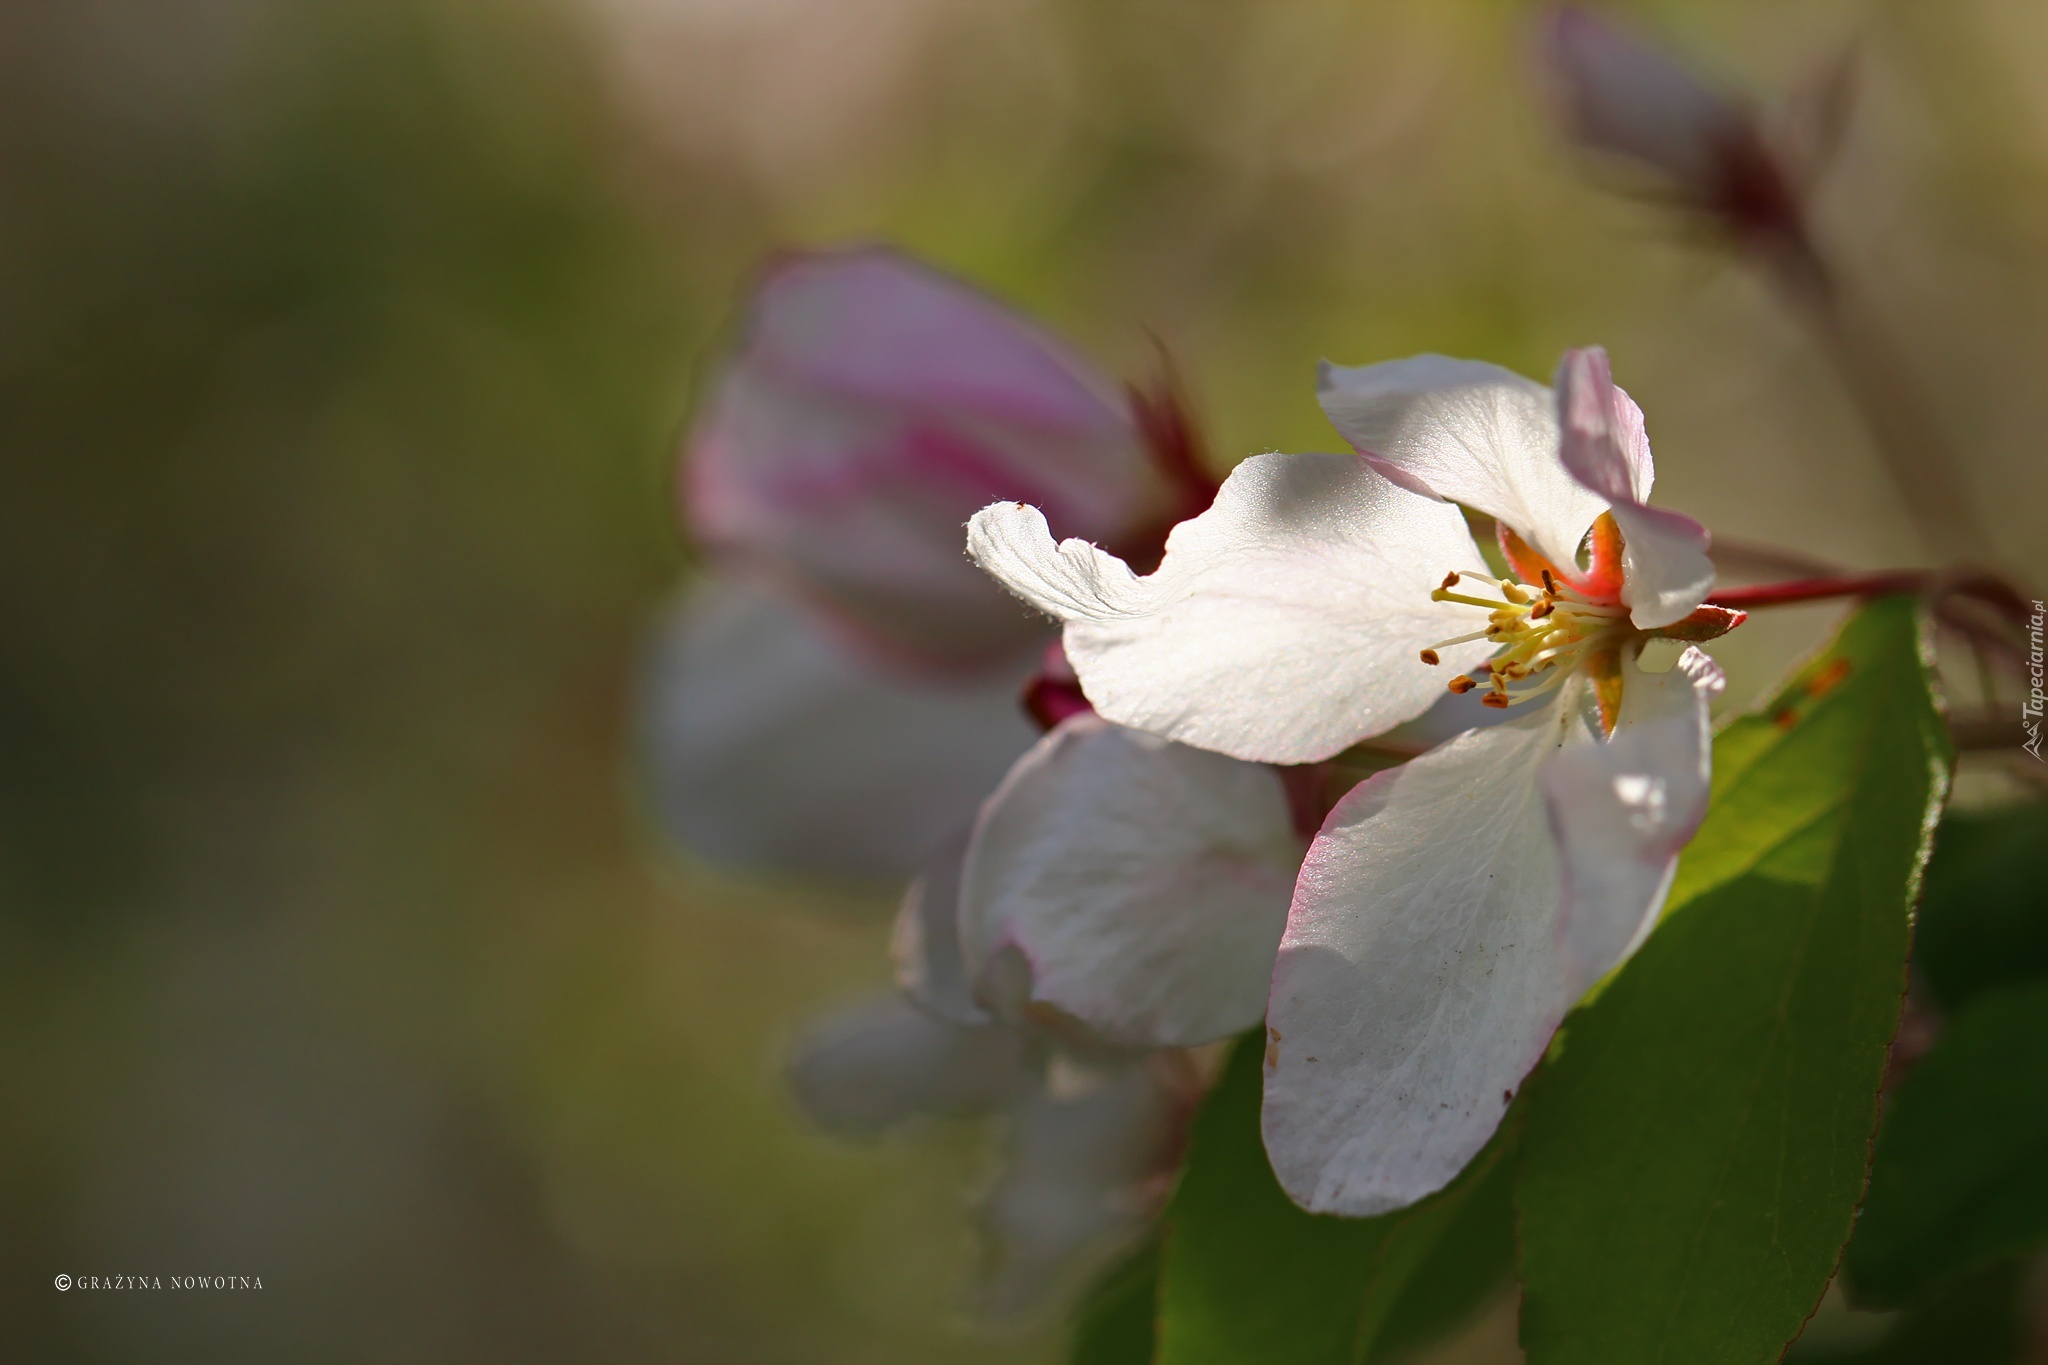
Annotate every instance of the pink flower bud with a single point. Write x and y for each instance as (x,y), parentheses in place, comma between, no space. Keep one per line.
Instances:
(1624,98)
(870,407)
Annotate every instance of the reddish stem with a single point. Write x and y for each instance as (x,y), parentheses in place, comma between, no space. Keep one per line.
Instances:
(1993,592)
(1820,589)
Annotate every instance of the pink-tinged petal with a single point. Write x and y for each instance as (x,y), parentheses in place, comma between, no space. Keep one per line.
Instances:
(769,746)
(1283,625)
(1665,568)
(1622,810)
(1601,437)
(877,324)
(1418,980)
(1626,98)
(874,1067)
(871,405)
(1087,1167)
(925,942)
(1467,432)
(1141,884)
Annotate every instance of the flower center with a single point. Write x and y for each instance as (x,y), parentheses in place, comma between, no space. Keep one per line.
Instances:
(1543,633)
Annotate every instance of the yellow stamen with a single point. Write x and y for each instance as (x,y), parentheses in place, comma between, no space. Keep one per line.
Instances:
(1543,637)
(1445,595)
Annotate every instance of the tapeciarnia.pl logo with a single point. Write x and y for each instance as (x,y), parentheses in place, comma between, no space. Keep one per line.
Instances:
(66,1282)
(2037,696)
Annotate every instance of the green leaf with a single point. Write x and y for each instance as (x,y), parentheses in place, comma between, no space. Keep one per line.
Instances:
(1249,1277)
(1984,918)
(1116,1321)
(1474,1261)
(1696,1145)
(1961,1178)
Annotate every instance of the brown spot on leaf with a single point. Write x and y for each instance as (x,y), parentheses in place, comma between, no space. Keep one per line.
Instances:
(1828,679)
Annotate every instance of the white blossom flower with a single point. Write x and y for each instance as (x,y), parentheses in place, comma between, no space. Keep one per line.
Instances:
(1090,1139)
(1452,909)
(842,692)
(1120,898)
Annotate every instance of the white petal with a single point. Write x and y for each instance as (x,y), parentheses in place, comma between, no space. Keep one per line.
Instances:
(1666,571)
(1143,884)
(871,1068)
(925,942)
(1469,432)
(871,406)
(1084,1174)
(1418,980)
(769,745)
(1622,810)
(1284,623)
(1665,568)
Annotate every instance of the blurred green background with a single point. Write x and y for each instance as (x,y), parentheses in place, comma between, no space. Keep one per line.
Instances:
(344,346)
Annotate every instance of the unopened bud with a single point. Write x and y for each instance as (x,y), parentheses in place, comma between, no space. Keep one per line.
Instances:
(1625,98)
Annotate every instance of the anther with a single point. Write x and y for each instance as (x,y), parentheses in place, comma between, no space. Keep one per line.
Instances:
(1429,656)
(1497,700)
(1515,593)
(1542,609)
(1451,579)
(1462,684)
(1549,583)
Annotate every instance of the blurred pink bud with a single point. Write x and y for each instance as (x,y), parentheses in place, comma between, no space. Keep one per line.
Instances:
(1623,97)
(871,406)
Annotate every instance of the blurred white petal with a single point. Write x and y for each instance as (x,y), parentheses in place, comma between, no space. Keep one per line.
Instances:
(871,1068)
(925,943)
(770,745)
(1083,1175)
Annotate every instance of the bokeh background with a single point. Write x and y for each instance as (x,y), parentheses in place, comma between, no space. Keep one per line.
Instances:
(344,348)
